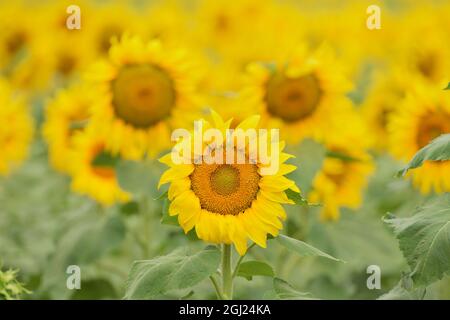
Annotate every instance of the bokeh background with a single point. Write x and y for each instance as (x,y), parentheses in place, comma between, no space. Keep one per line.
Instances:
(60,205)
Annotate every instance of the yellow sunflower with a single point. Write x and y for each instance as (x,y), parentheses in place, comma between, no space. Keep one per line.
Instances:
(141,91)
(66,113)
(422,116)
(16,129)
(345,170)
(228,203)
(382,99)
(97,181)
(299,94)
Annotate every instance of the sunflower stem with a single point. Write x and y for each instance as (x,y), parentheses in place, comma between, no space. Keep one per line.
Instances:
(227,279)
(216,287)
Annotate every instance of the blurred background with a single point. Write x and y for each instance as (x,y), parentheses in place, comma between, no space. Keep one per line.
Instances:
(59,207)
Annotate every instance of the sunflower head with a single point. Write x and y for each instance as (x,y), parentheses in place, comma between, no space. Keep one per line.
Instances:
(143,89)
(421,117)
(229,201)
(297,93)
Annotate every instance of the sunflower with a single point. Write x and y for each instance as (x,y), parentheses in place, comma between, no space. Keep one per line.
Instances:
(422,116)
(382,99)
(228,203)
(299,94)
(66,113)
(141,91)
(21,51)
(345,170)
(16,129)
(96,180)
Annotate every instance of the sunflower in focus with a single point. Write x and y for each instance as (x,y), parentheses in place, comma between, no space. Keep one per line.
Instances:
(16,129)
(228,203)
(141,91)
(299,94)
(66,114)
(346,168)
(422,116)
(92,177)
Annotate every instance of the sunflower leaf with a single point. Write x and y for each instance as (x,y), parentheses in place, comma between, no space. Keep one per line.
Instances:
(298,198)
(285,291)
(249,269)
(341,156)
(436,150)
(105,159)
(178,270)
(302,248)
(424,239)
(165,217)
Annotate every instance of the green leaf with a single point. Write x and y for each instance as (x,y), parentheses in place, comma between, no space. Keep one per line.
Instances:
(302,248)
(341,156)
(448,87)
(129,208)
(178,270)
(90,242)
(309,156)
(137,177)
(249,269)
(165,217)
(425,240)
(296,197)
(105,159)
(404,291)
(436,150)
(285,291)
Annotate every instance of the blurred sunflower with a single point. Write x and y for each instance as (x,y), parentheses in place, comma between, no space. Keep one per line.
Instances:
(92,177)
(142,90)
(16,129)
(345,170)
(422,116)
(299,94)
(66,113)
(382,99)
(21,53)
(228,203)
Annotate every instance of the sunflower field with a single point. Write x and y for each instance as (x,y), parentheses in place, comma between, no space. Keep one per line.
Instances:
(94,206)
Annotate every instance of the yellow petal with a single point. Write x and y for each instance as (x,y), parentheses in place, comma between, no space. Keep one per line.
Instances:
(177,172)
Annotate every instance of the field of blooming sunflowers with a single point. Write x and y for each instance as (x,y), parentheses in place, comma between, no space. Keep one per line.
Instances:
(92,205)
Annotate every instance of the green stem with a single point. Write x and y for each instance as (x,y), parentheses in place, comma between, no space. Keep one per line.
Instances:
(216,287)
(236,268)
(145,216)
(227,280)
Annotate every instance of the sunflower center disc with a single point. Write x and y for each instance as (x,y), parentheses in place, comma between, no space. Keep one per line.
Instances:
(225,188)
(292,99)
(143,95)
(432,126)
(225,180)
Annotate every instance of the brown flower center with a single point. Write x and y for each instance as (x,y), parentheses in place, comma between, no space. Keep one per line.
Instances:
(292,99)
(143,95)
(225,188)
(431,126)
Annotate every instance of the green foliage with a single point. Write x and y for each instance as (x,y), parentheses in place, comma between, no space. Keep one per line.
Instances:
(10,287)
(425,240)
(81,243)
(302,248)
(105,159)
(177,270)
(138,178)
(285,291)
(249,269)
(404,291)
(436,150)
